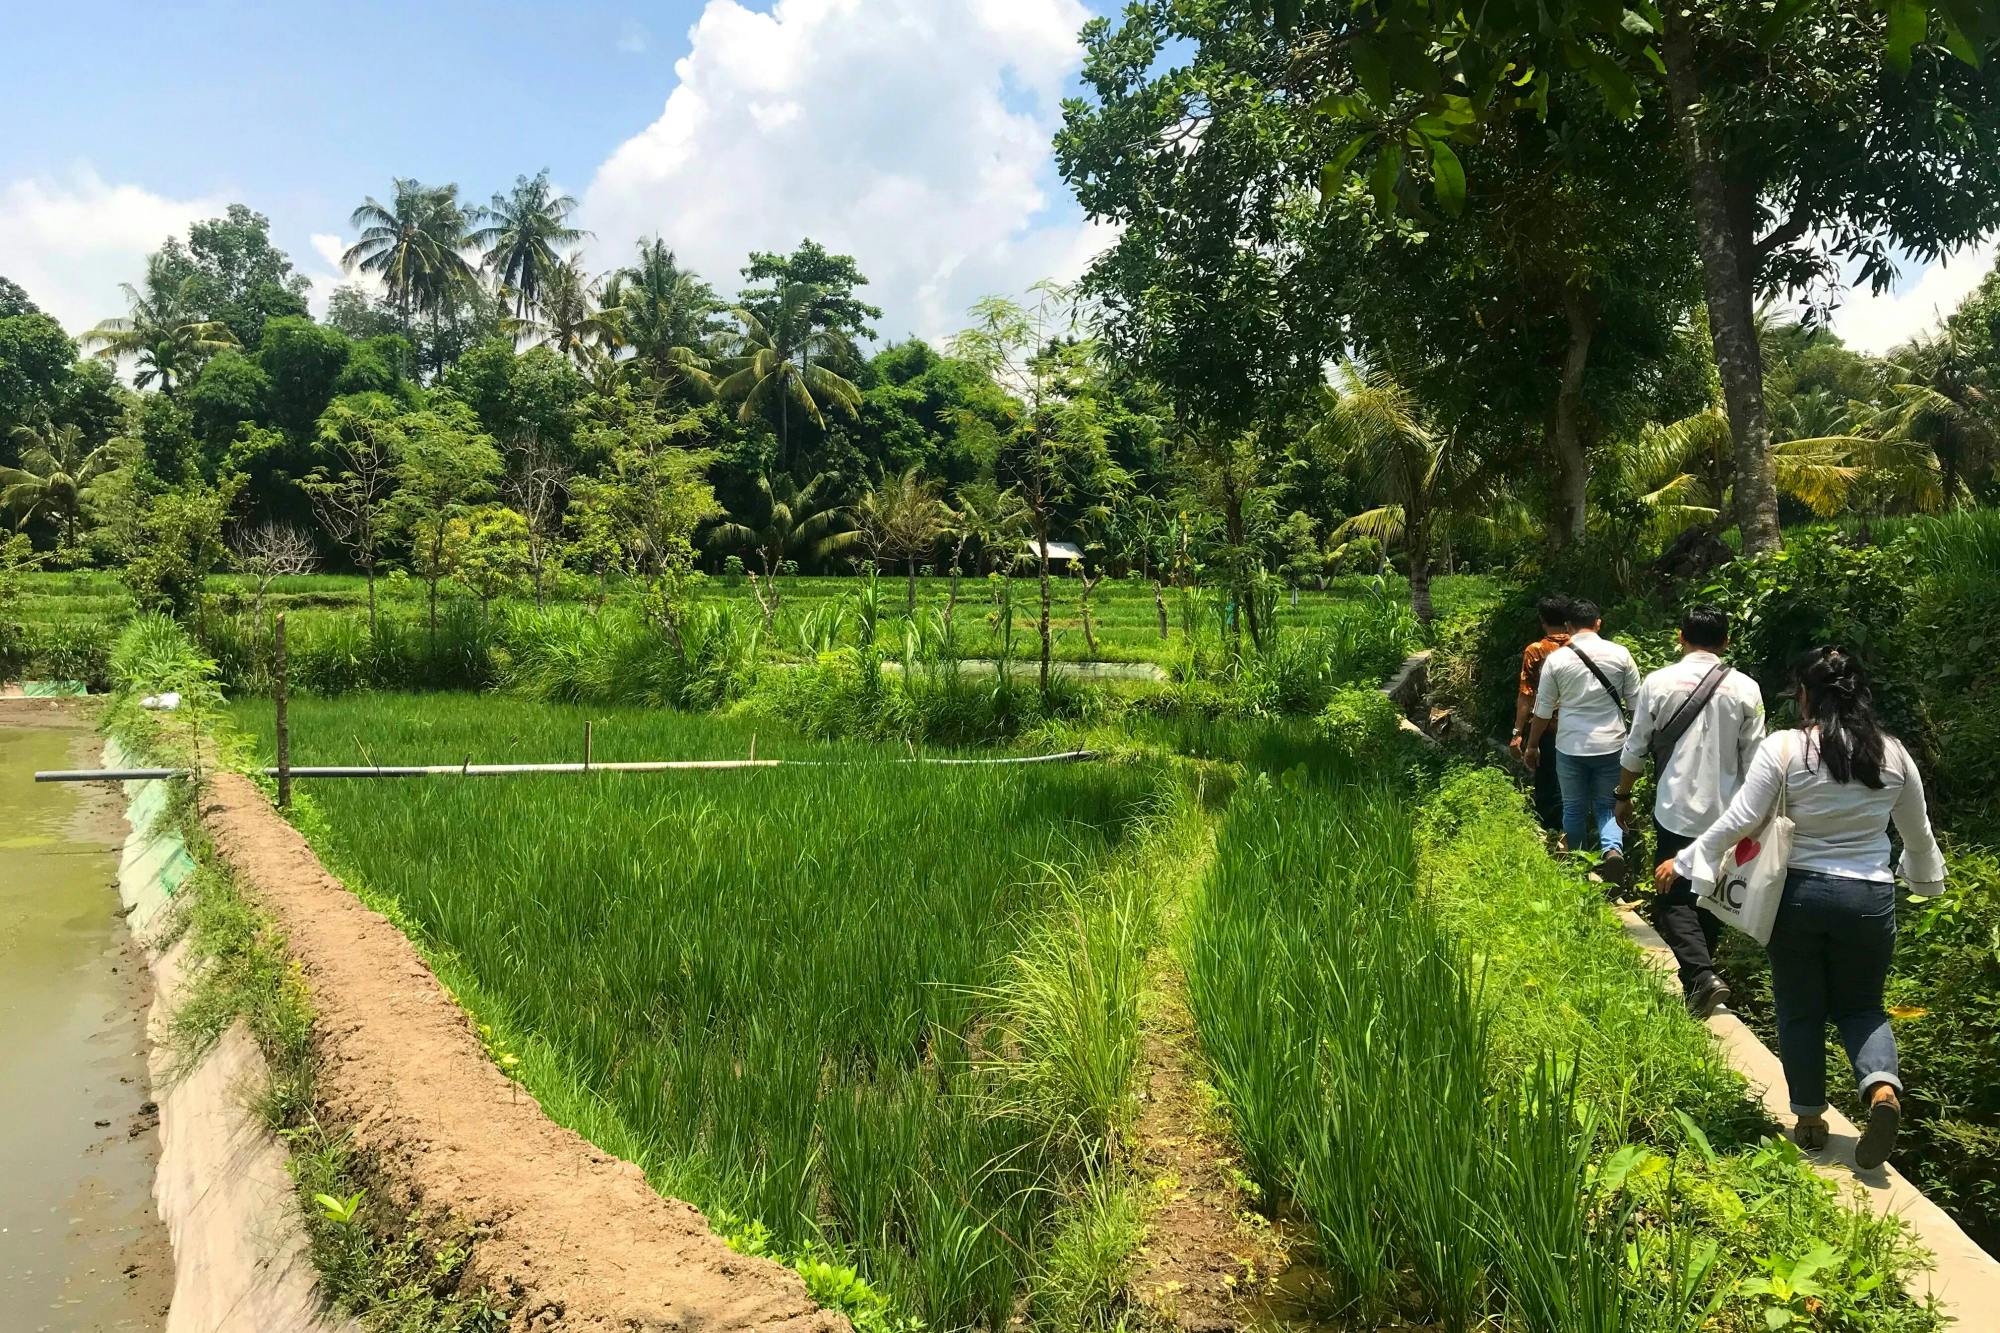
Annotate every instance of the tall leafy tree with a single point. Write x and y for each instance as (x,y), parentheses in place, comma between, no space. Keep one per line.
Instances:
(832,277)
(165,334)
(1812,133)
(443,466)
(523,236)
(234,274)
(417,245)
(903,519)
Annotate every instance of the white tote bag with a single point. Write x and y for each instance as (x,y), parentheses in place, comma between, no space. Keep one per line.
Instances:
(1750,881)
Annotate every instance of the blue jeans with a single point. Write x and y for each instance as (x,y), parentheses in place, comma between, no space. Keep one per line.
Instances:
(1830,949)
(1590,794)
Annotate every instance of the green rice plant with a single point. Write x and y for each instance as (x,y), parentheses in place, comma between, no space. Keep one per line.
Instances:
(782,992)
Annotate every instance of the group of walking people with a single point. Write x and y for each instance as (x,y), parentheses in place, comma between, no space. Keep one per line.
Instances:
(1586,726)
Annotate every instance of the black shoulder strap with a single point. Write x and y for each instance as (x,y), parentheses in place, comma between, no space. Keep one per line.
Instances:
(1602,679)
(1665,738)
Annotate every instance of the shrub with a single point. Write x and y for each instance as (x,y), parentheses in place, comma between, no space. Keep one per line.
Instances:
(1362,726)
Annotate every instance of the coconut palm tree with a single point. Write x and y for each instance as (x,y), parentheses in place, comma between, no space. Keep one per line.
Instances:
(784,521)
(902,519)
(1421,475)
(989,517)
(568,318)
(57,466)
(783,364)
(163,333)
(416,245)
(667,317)
(523,232)
(1942,400)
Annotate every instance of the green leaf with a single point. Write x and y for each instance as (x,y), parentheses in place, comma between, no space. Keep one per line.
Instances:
(1448,176)
(1777,1316)
(1635,23)
(1621,94)
(1382,180)
(1907,19)
(1958,43)
(1332,174)
(1372,69)
(1695,1136)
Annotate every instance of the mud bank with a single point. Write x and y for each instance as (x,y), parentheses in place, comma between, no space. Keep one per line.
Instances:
(572,1237)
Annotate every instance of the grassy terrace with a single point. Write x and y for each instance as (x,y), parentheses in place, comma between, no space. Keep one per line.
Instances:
(888,1016)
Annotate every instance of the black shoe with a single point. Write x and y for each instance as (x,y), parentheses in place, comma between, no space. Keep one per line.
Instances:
(1709,996)
(1878,1139)
(1612,868)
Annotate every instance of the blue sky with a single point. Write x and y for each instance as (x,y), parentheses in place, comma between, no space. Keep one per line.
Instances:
(913,133)
(126,120)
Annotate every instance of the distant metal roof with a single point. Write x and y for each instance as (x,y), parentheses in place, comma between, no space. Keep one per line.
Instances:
(1057,550)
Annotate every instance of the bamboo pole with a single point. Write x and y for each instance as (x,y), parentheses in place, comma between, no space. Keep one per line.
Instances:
(471,770)
(283,725)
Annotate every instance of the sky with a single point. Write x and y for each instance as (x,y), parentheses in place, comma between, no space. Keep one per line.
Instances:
(913,134)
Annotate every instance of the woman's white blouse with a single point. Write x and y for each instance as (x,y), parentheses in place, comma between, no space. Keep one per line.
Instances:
(1840,828)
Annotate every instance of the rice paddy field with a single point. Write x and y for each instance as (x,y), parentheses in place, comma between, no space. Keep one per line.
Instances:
(830,1005)
(70,619)
(873,1013)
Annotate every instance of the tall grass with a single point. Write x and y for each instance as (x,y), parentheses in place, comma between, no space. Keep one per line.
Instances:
(1352,1052)
(791,995)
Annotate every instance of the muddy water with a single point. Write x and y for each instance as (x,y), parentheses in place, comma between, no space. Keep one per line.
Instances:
(80,1244)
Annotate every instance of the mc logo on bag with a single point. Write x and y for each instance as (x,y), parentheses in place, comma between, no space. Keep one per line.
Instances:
(1750,882)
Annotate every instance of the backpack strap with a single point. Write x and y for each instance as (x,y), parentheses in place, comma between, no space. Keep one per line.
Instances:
(1605,681)
(1664,739)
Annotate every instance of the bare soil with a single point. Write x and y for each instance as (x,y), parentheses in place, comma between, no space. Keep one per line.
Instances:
(1207,1255)
(573,1237)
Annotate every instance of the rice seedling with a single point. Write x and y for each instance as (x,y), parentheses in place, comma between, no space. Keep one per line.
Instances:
(789,994)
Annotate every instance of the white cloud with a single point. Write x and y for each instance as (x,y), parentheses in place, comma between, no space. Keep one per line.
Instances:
(70,242)
(910,134)
(1875,323)
(633,39)
(329,274)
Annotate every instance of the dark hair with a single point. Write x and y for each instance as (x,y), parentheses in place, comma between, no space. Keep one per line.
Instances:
(1852,743)
(1583,613)
(1706,627)
(1555,609)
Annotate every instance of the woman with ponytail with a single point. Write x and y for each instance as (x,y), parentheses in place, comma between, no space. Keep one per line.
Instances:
(1844,780)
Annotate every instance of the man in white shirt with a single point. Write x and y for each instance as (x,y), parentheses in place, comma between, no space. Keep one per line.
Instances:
(1587,683)
(1701,723)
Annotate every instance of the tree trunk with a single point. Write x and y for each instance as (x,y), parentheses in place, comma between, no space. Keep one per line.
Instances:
(1728,268)
(1420,570)
(1083,597)
(910,590)
(1160,609)
(1042,539)
(1572,465)
(370,571)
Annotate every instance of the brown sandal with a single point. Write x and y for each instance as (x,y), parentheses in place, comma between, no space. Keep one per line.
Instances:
(1878,1137)
(1809,1132)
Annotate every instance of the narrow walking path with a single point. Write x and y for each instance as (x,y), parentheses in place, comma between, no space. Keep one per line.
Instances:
(1966,1279)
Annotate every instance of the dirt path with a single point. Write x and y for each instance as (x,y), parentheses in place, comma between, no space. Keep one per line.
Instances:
(1205,1250)
(575,1237)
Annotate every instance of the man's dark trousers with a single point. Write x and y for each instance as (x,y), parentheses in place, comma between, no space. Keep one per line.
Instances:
(1690,932)
(1548,788)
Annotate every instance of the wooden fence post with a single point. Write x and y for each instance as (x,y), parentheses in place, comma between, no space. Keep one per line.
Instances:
(284,729)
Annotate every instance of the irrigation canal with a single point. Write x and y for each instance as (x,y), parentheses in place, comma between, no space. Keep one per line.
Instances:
(80,1244)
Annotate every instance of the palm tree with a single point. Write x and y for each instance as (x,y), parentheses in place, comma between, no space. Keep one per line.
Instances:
(989,517)
(1422,475)
(902,519)
(163,331)
(781,364)
(56,468)
(523,231)
(666,316)
(416,246)
(1941,400)
(570,320)
(786,521)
